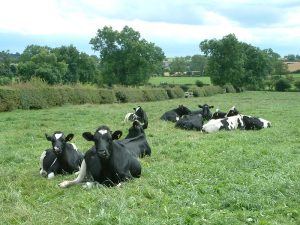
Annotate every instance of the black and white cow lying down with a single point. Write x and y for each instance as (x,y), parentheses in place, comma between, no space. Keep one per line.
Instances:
(108,162)
(175,114)
(63,157)
(204,111)
(235,122)
(139,115)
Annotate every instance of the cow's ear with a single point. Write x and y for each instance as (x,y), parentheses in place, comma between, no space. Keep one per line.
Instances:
(134,109)
(116,135)
(88,136)
(48,137)
(211,106)
(200,106)
(69,137)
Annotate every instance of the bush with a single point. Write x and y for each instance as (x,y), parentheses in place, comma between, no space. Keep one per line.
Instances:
(184,87)
(129,95)
(229,88)
(9,99)
(282,84)
(175,92)
(155,94)
(297,84)
(199,83)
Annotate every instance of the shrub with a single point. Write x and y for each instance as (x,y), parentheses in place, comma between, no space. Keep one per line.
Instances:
(297,84)
(184,87)
(199,83)
(175,92)
(155,94)
(9,99)
(129,95)
(282,84)
(229,88)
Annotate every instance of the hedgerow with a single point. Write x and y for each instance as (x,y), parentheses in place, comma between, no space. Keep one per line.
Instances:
(38,95)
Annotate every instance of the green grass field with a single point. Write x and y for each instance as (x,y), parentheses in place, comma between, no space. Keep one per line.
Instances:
(178,80)
(236,177)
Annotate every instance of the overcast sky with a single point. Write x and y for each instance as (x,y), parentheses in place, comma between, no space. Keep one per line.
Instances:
(177,26)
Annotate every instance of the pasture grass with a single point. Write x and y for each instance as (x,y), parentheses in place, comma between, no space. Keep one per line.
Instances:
(236,177)
(178,80)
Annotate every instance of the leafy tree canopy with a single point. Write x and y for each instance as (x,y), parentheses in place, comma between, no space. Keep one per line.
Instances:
(125,58)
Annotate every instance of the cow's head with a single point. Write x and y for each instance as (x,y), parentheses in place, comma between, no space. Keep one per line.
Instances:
(206,113)
(139,112)
(182,110)
(135,130)
(232,112)
(218,114)
(59,140)
(102,138)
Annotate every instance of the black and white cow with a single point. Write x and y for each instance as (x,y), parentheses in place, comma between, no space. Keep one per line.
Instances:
(232,112)
(136,141)
(255,123)
(175,114)
(204,111)
(141,116)
(49,165)
(68,156)
(190,122)
(228,123)
(130,117)
(108,162)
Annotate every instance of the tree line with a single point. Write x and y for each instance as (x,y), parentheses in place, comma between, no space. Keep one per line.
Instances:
(125,58)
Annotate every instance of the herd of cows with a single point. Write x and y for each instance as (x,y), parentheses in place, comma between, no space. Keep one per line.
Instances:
(111,161)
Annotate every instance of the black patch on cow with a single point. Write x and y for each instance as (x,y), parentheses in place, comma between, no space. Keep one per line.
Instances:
(252,123)
(225,124)
(190,122)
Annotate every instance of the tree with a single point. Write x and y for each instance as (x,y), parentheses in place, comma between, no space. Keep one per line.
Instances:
(256,66)
(125,58)
(282,84)
(178,65)
(37,61)
(226,60)
(198,63)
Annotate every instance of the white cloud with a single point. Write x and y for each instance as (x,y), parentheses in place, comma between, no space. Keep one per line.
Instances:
(189,21)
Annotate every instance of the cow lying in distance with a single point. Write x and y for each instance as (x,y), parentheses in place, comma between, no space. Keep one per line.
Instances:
(228,123)
(130,117)
(108,162)
(190,122)
(232,112)
(175,114)
(204,111)
(136,141)
(255,123)
(236,122)
(63,156)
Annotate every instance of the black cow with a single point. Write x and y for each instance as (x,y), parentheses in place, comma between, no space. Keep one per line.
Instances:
(108,162)
(204,111)
(68,156)
(141,116)
(175,114)
(190,122)
(255,123)
(136,141)
(218,114)
(49,165)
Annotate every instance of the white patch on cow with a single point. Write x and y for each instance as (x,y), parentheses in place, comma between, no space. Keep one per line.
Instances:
(137,108)
(58,135)
(265,122)
(51,175)
(212,126)
(74,146)
(177,118)
(102,131)
(42,159)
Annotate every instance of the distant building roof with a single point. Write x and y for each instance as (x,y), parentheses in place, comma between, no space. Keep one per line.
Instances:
(293,66)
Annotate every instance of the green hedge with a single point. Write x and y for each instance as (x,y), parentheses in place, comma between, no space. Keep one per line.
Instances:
(35,97)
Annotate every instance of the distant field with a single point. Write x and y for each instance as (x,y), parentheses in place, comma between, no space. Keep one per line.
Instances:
(178,80)
(238,177)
